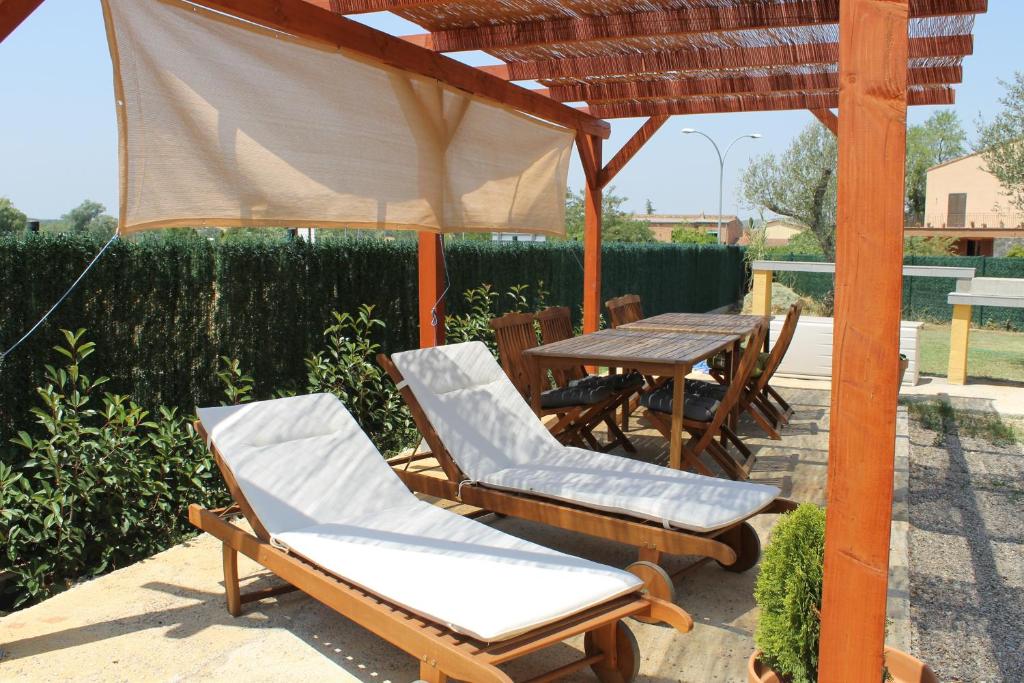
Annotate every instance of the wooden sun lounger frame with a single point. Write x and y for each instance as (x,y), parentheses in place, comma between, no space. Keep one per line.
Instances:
(610,649)
(736,547)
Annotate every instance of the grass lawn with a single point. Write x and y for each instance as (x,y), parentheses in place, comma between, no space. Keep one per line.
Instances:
(993,354)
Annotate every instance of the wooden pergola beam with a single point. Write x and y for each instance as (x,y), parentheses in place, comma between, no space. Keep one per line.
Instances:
(662,23)
(629,150)
(828,119)
(13,12)
(746,103)
(304,19)
(869,285)
(365,6)
(729,85)
(703,59)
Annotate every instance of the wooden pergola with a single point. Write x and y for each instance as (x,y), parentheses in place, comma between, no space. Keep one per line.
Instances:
(869,59)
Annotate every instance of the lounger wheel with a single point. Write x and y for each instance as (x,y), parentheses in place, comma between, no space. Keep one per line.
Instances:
(657,583)
(627,656)
(745,541)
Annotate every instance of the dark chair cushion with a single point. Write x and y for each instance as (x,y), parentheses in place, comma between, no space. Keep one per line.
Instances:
(574,396)
(629,381)
(697,408)
(712,390)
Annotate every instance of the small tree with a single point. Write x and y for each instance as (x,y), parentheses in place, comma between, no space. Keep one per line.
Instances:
(933,142)
(11,219)
(1002,141)
(800,184)
(87,218)
(1016,251)
(616,224)
(690,235)
(929,246)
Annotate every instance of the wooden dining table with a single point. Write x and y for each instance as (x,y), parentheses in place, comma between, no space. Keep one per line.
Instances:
(720,323)
(665,354)
(707,323)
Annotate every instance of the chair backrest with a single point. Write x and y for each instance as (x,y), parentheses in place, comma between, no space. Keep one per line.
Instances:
(479,415)
(298,461)
(781,345)
(556,325)
(515,333)
(624,309)
(739,383)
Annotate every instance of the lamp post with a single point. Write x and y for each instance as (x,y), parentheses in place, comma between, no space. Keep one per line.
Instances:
(721,167)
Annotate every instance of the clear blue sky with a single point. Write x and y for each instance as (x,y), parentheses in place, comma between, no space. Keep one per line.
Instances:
(58,141)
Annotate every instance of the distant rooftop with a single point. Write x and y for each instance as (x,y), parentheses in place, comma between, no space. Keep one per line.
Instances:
(676,218)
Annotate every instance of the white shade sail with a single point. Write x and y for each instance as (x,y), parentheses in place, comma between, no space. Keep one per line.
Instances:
(224,123)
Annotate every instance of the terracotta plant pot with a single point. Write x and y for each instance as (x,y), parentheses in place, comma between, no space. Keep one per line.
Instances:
(904,364)
(903,667)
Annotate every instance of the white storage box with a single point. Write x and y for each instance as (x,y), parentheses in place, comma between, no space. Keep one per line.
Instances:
(810,354)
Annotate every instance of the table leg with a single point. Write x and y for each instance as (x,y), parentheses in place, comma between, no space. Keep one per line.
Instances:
(734,363)
(675,451)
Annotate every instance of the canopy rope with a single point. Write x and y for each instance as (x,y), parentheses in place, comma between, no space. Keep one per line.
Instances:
(447,286)
(64,296)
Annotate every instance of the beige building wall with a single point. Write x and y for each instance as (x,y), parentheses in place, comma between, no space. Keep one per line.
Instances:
(987,204)
(780,232)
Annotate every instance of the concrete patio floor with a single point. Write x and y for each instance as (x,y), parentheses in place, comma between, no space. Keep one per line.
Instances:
(164,618)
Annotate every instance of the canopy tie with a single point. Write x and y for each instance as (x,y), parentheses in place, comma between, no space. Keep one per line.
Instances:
(447,286)
(64,296)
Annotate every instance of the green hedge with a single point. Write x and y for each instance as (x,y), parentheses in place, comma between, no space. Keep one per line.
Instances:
(924,298)
(163,311)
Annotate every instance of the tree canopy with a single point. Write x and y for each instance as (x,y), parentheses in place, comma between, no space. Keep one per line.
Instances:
(691,235)
(799,184)
(1002,141)
(89,217)
(933,142)
(11,219)
(616,224)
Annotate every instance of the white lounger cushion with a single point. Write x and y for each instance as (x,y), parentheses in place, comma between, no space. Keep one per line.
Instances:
(457,572)
(683,500)
(302,460)
(323,491)
(497,440)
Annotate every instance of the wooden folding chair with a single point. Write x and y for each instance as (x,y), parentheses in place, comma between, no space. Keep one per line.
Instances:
(610,649)
(628,309)
(624,309)
(756,400)
(735,547)
(705,421)
(577,409)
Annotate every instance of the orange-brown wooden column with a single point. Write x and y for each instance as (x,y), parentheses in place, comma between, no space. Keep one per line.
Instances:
(869,256)
(590,154)
(431,285)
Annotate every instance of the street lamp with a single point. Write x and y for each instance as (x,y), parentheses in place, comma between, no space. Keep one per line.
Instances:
(721,166)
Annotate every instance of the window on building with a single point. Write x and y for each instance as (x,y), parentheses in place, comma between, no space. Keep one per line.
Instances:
(956,211)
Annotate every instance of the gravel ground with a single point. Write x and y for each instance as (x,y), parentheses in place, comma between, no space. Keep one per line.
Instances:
(966,554)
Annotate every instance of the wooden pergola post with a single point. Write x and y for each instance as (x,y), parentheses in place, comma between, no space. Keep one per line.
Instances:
(431,286)
(873,52)
(589,147)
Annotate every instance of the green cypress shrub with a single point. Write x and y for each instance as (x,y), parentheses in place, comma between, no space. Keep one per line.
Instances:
(788,592)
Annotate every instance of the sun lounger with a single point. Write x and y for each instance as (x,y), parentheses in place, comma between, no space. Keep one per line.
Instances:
(497,455)
(331,519)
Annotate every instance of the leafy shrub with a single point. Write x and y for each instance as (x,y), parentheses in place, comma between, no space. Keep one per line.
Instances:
(475,325)
(103,485)
(788,591)
(348,369)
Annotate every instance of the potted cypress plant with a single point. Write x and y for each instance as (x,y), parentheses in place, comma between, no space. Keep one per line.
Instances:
(788,592)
